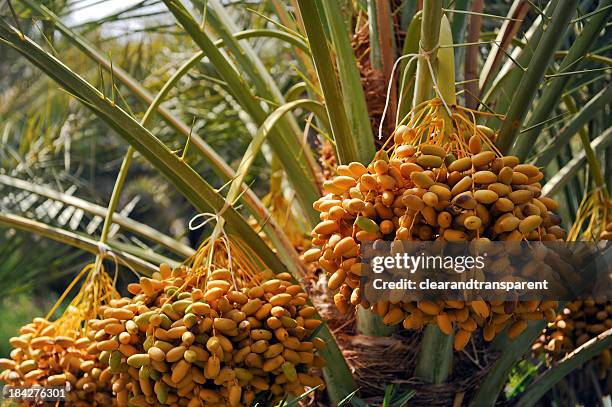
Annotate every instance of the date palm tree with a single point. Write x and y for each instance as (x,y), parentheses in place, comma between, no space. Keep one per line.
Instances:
(181,99)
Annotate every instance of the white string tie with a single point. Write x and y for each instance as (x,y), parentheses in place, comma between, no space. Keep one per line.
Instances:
(423,54)
(208,217)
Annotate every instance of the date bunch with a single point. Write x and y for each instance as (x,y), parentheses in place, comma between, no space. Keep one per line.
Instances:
(44,355)
(432,191)
(179,341)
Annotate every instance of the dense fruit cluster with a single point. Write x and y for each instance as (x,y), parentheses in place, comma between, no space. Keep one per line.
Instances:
(56,353)
(176,344)
(43,357)
(432,191)
(580,321)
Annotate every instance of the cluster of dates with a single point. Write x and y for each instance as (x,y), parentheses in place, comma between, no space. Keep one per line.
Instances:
(430,192)
(180,342)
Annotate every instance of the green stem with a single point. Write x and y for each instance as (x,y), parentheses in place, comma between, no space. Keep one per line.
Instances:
(255,146)
(293,24)
(586,113)
(250,64)
(550,377)
(375,51)
(506,81)
(458,25)
(594,167)
(299,170)
(430,34)
(129,155)
(371,324)
(352,90)
(470,65)
(338,377)
(588,57)
(143,253)
(512,350)
(593,163)
(528,87)
(386,37)
(446,74)
(435,358)
(125,222)
(75,240)
(504,38)
(262,134)
(554,88)
(346,147)
(436,351)
(569,170)
(114,200)
(408,66)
